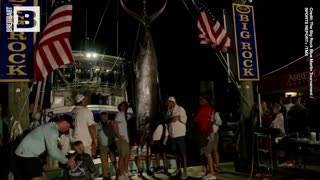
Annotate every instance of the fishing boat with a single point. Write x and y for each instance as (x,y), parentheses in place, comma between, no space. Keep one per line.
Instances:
(98,76)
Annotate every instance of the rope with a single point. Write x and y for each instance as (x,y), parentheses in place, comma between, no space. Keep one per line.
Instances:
(25,102)
(232,77)
(104,12)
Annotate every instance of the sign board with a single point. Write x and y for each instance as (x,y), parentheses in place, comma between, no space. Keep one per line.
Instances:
(246,45)
(20,22)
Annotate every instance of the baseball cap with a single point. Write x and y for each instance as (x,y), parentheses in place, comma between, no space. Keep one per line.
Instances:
(171,98)
(79,98)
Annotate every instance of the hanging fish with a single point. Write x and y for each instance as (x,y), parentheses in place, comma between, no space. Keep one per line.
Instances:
(146,70)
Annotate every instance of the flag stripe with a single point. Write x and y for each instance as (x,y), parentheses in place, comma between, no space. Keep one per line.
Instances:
(59,33)
(59,20)
(54,49)
(211,31)
(46,65)
(49,55)
(62,56)
(56,54)
(66,45)
(40,70)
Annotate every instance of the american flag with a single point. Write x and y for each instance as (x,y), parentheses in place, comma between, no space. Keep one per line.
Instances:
(211,31)
(54,49)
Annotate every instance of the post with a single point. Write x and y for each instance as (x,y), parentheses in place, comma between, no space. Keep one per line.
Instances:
(246,122)
(18,103)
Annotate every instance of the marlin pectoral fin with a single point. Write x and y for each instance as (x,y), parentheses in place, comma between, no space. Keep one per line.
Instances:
(131,13)
(155,15)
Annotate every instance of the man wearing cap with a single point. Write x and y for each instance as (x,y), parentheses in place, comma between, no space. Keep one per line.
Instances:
(84,125)
(177,131)
(39,140)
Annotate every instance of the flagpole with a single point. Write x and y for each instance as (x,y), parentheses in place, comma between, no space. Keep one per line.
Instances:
(232,77)
(117,27)
(227,54)
(36,103)
(43,92)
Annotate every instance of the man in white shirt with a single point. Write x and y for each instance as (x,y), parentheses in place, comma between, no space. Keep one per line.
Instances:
(216,125)
(177,131)
(122,141)
(84,125)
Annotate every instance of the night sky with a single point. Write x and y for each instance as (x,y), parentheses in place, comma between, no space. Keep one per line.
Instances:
(183,62)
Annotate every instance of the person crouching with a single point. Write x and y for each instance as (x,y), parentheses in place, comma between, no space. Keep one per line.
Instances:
(84,168)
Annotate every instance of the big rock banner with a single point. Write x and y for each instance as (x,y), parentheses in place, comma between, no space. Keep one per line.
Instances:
(20,22)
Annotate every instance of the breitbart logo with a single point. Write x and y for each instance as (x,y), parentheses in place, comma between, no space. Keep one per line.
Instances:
(25,19)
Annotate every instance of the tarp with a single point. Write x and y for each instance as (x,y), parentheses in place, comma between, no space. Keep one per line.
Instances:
(293,77)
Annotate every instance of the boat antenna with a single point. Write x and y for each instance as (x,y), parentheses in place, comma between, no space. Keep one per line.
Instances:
(86,32)
(100,23)
(117,28)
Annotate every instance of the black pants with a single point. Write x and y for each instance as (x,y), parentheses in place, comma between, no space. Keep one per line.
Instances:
(4,162)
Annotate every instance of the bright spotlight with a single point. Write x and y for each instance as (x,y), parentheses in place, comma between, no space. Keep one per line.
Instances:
(88,55)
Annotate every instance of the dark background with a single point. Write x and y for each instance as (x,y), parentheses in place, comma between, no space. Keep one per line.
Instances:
(183,62)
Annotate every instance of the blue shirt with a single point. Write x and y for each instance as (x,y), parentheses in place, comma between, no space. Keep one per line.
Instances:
(103,138)
(38,140)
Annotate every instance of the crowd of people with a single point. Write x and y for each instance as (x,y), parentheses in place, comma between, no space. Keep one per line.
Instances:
(76,140)
(291,117)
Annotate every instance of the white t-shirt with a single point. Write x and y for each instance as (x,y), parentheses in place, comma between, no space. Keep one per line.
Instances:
(65,143)
(278,122)
(122,124)
(83,119)
(178,128)
(158,132)
(218,122)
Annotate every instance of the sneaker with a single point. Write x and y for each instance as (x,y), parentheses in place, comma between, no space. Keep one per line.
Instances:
(184,176)
(128,174)
(123,177)
(175,173)
(209,176)
(201,174)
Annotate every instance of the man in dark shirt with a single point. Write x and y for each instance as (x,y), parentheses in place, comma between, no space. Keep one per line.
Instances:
(297,117)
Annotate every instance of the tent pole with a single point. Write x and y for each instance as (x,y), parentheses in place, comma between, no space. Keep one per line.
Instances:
(260,107)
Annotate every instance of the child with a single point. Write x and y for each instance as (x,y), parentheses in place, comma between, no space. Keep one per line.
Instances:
(159,142)
(85,168)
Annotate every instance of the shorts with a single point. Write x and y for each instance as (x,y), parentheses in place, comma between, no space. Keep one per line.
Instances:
(123,148)
(178,145)
(30,167)
(104,154)
(158,147)
(209,147)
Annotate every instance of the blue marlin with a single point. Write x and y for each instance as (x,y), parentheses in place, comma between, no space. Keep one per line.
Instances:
(146,70)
